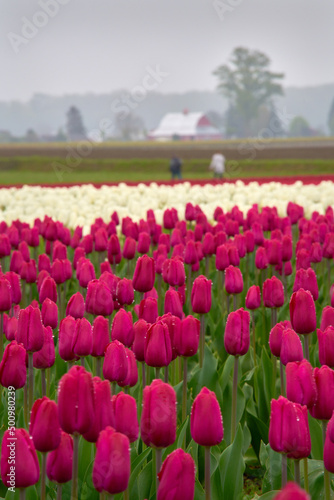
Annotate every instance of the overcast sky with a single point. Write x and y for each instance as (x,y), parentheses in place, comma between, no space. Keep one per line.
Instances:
(104,45)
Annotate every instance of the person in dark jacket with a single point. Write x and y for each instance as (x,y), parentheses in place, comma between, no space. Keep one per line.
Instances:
(175,168)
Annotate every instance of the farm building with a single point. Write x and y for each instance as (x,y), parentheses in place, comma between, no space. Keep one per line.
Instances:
(185,126)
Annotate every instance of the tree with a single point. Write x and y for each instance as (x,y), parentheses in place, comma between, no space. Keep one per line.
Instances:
(248,85)
(331,119)
(129,127)
(31,136)
(74,125)
(299,127)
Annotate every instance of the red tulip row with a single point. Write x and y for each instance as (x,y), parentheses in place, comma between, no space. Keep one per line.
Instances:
(87,407)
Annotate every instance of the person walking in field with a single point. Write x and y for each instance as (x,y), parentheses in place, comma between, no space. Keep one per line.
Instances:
(218,165)
(175,168)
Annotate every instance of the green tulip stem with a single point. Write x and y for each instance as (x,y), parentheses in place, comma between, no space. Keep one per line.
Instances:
(147,375)
(1,335)
(166,374)
(143,374)
(189,286)
(48,381)
(43,381)
(297,471)
(326,473)
(113,388)
(228,303)
(234,398)
(284,470)
(98,367)
(82,361)
(158,462)
(30,381)
(207,474)
(207,265)
(126,494)
(234,302)
(59,491)
(25,405)
(22,495)
(281,369)
(160,298)
(74,491)
(43,477)
(184,389)
(202,341)
(253,337)
(274,364)
(59,302)
(329,275)
(180,369)
(306,347)
(306,488)
(157,372)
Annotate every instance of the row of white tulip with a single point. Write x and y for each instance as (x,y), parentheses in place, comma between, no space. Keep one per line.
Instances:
(80,205)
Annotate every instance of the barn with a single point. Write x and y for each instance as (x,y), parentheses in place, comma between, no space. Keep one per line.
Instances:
(185,126)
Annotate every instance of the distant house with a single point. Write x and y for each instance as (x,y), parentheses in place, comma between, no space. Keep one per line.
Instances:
(184,127)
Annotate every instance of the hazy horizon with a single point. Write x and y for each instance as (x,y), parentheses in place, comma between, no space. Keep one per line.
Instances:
(84,48)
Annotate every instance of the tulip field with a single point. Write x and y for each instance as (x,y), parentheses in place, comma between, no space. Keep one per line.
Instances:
(169,342)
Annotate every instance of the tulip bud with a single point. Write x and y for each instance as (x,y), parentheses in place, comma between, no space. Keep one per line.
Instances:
(173,303)
(129,249)
(44,263)
(124,292)
(292,492)
(206,422)
(76,401)
(140,330)
(148,310)
(101,338)
(45,358)
(190,253)
(233,255)
(186,339)
(300,383)
(85,272)
(15,286)
(122,328)
(326,346)
(13,370)
(253,298)
(5,295)
(59,461)
(275,337)
(132,371)
(76,306)
(103,409)
(233,280)
(237,335)
(324,405)
(177,474)
(302,312)
(66,336)
(201,295)
(288,429)
(306,279)
(49,313)
(11,328)
(158,348)
(261,259)
(144,274)
(44,425)
(82,339)
(30,329)
(113,449)
(98,299)
(327,317)
(273,292)
(222,259)
(115,365)
(291,347)
(26,461)
(125,418)
(158,420)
